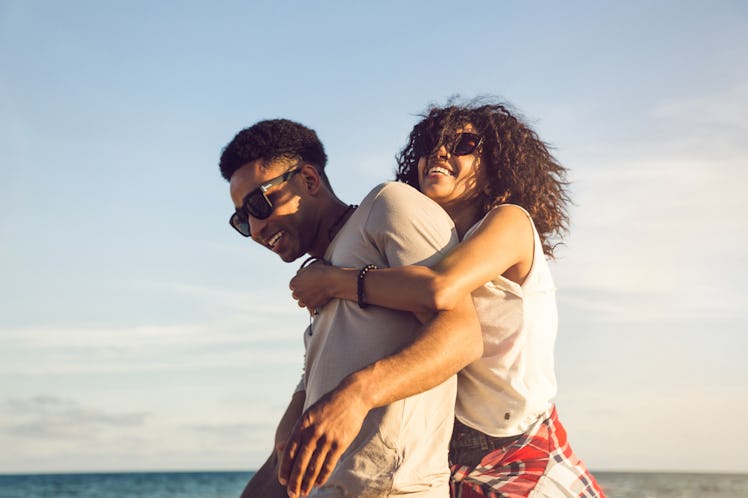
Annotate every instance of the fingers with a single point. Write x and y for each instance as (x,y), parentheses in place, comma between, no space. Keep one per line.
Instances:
(331,460)
(286,461)
(280,446)
(298,299)
(313,310)
(318,470)
(312,467)
(309,477)
(301,466)
(306,460)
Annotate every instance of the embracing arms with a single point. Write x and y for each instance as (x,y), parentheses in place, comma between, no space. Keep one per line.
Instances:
(450,341)
(502,245)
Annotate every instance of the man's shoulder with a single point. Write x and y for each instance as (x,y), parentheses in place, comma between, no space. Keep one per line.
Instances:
(392,188)
(397,206)
(402,226)
(398,193)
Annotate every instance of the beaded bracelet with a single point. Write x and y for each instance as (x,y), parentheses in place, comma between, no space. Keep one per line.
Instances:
(360,287)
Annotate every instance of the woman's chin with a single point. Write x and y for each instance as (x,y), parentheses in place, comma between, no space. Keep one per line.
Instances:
(436,186)
(438,193)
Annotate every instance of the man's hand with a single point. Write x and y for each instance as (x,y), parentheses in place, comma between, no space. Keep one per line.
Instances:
(318,440)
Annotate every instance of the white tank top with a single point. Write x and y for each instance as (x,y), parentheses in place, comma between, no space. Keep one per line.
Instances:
(512,384)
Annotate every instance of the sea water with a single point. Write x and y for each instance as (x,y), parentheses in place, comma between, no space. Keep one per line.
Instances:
(125,485)
(230,485)
(672,485)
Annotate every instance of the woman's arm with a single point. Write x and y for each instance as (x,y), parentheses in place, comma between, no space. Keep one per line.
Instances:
(502,245)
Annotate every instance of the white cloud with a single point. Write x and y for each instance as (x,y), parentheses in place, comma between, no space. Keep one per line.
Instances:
(50,416)
(662,224)
(62,434)
(719,114)
(236,342)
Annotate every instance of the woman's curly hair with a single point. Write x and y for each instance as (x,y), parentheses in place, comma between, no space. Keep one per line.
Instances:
(519,167)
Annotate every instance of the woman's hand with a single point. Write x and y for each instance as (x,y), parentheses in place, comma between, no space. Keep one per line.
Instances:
(312,286)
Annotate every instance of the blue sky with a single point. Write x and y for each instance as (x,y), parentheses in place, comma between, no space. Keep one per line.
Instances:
(138,332)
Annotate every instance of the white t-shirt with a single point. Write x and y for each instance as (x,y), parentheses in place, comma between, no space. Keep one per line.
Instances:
(505,391)
(401,448)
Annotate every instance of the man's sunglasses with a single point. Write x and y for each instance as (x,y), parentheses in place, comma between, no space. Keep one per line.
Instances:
(460,144)
(257,204)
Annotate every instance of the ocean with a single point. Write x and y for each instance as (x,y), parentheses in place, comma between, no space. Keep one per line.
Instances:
(230,485)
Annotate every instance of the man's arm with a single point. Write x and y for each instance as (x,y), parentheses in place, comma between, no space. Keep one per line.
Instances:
(264,483)
(288,420)
(444,345)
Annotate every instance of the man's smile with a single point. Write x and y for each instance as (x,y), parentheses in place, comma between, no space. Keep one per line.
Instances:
(272,242)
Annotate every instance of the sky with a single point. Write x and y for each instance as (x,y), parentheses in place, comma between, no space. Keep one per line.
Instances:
(139,332)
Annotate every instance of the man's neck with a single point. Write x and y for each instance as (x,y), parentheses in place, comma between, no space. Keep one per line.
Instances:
(332,218)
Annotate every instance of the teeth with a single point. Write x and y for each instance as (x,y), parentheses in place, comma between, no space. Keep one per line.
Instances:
(274,239)
(440,170)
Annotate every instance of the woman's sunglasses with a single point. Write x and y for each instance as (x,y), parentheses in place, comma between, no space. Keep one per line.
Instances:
(257,204)
(460,144)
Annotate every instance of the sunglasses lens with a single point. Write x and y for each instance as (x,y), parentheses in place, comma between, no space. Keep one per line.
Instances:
(465,144)
(462,145)
(240,223)
(258,206)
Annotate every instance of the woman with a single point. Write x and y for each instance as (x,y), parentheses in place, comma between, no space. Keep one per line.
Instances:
(507,196)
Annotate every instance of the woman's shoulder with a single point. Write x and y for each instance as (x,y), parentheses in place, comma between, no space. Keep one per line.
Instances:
(502,218)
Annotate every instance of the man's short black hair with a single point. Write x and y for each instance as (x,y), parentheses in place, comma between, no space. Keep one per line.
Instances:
(270,140)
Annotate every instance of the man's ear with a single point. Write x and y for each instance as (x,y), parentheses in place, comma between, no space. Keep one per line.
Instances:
(312,180)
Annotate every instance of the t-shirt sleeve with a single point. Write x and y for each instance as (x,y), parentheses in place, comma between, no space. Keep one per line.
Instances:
(408,228)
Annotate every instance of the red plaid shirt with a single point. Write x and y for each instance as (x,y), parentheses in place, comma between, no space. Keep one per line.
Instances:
(540,463)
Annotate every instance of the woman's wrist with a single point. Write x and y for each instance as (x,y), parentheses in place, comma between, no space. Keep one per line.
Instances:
(344,283)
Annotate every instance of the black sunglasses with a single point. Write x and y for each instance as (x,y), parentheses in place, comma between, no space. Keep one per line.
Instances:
(460,144)
(257,204)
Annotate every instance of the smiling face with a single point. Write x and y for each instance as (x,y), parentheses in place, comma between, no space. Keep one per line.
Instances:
(286,231)
(452,181)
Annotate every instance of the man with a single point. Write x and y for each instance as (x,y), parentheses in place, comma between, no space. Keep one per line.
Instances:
(378,389)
